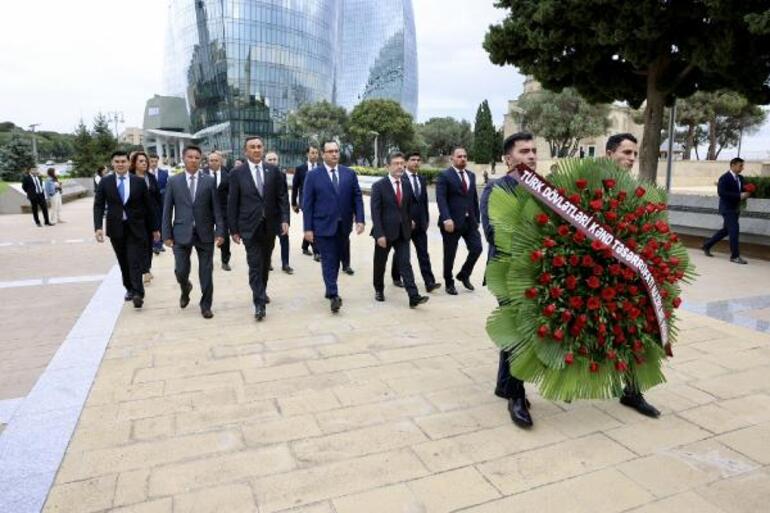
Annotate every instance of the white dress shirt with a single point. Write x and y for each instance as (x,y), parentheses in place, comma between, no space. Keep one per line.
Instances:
(393,182)
(336,171)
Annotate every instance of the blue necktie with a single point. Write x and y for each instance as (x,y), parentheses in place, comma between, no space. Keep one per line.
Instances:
(335,182)
(122,189)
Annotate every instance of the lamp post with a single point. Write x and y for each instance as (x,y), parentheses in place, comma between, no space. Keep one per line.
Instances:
(116,117)
(376,139)
(34,140)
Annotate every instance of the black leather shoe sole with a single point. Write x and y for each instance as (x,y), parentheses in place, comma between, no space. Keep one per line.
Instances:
(226,267)
(379,296)
(336,304)
(287,270)
(184,299)
(432,287)
(207,314)
(260,315)
(128,297)
(138,301)
(707,252)
(398,283)
(317,258)
(419,300)
(349,271)
(519,414)
(466,283)
(640,405)
(451,290)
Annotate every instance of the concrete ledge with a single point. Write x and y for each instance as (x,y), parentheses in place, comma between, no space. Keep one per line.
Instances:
(699,216)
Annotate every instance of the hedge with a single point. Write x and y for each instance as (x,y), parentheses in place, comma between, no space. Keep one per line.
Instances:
(762,184)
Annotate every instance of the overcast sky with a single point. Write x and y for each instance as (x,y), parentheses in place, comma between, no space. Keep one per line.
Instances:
(66,60)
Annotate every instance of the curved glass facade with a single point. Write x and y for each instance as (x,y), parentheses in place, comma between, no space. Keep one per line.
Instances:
(378,57)
(244,65)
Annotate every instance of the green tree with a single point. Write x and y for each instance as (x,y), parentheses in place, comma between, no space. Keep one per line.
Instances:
(485,148)
(386,118)
(729,117)
(104,142)
(442,134)
(639,51)
(16,157)
(318,122)
(562,119)
(84,156)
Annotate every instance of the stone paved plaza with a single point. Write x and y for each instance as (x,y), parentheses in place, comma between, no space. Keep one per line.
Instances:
(380,409)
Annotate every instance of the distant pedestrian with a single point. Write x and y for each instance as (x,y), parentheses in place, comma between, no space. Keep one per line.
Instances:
(298,182)
(731,193)
(100,171)
(33,186)
(53,191)
(272,159)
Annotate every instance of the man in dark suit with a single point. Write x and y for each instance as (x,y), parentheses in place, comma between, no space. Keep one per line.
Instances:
(192,219)
(331,200)
(419,187)
(222,179)
(33,186)
(130,210)
(392,225)
(161,175)
(257,205)
(272,159)
(458,206)
(297,183)
(731,193)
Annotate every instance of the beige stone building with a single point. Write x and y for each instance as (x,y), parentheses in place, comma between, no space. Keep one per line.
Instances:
(132,135)
(620,116)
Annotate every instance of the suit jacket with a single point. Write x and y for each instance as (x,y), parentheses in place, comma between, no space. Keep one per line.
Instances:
(297,183)
(247,208)
(162,180)
(390,220)
(507,183)
(182,213)
(461,207)
(28,185)
(729,193)
(157,201)
(325,207)
(140,210)
(223,191)
(420,214)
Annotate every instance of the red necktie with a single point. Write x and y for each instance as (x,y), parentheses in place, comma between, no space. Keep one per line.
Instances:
(398,192)
(462,179)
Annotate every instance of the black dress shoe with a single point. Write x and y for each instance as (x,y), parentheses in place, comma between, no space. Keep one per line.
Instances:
(379,296)
(398,283)
(432,287)
(519,413)
(271,267)
(156,251)
(226,267)
(336,304)
(287,269)
(417,300)
(499,393)
(317,257)
(260,313)
(129,296)
(184,299)
(267,299)
(307,252)
(207,314)
(348,271)
(451,290)
(706,251)
(738,260)
(637,401)
(466,283)
(138,301)
(49,224)
(39,225)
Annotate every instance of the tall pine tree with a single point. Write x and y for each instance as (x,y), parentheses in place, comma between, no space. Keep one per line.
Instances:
(485,146)
(85,161)
(15,157)
(104,141)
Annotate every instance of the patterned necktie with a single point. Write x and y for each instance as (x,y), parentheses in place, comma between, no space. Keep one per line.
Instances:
(122,189)
(260,182)
(335,182)
(416,183)
(465,184)
(398,192)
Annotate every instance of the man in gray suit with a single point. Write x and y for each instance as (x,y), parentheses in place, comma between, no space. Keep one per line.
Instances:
(192,217)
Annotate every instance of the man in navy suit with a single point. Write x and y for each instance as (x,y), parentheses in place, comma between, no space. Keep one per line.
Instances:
(730,190)
(458,206)
(130,210)
(222,178)
(419,187)
(392,225)
(331,200)
(297,183)
(161,175)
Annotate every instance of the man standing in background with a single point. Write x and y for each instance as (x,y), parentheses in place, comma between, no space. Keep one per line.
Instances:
(297,183)
(33,186)
(731,193)
(283,238)
(222,178)
(161,175)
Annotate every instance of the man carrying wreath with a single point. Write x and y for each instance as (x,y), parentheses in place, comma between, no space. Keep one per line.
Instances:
(520,148)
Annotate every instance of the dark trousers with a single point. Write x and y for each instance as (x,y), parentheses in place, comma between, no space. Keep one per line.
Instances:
(345,255)
(259,247)
(470,234)
(508,386)
(401,255)
(331,250)
(420,241)
(130,252)
(158,246)
(225,250)
(38,202)
(730,228)
(205,252)
(148,248)
(284,241)
(306,245)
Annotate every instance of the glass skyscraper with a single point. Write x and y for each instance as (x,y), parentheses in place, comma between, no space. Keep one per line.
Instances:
(244,65)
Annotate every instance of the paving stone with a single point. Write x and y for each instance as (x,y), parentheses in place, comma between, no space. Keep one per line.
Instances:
(345,419)
(449,491)
(389,499)
(747,493)
(259,433)
(653,435)
(89,495)
(752,441)
(688,502)
(223,499)
(132,487)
